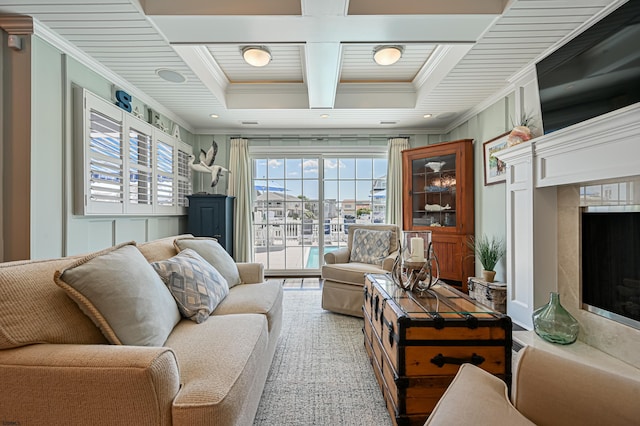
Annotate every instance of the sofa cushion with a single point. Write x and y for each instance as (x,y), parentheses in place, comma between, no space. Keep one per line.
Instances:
(394,242)
(370,246)
(264,298)
(489,405)
(122,294)
(350,273)
(214,253)
(160,249)
(35,310)
(195,285)
(223,368)
(557,388)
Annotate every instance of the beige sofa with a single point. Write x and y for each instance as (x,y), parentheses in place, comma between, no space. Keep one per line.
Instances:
(56,366)
(343,286)
(548,390)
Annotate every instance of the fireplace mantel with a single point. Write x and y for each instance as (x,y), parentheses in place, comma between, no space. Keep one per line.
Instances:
(605,147)
(602,148)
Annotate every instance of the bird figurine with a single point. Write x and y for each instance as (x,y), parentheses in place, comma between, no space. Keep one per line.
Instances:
(206,163)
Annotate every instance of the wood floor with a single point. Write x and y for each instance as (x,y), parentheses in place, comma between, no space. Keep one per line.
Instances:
(310,283)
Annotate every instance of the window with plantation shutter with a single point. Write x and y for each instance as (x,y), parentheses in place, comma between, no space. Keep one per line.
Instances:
(184,175)
(140,165)
(124,165)
(102,159)
(165,179)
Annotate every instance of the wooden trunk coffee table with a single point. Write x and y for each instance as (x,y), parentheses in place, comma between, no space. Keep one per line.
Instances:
(416,343)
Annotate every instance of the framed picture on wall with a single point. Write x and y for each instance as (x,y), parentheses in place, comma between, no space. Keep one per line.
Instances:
(495,171)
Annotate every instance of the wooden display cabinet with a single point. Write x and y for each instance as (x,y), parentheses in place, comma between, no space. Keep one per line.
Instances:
(438,197)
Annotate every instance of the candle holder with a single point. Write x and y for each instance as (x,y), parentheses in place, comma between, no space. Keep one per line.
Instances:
(414,268)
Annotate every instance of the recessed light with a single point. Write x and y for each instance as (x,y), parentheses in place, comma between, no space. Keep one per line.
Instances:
(170,75)
(427,116)
(214,115)
(324,115)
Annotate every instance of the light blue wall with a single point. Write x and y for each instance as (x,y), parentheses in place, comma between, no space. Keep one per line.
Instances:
(47,151)
(490,201)
(56,231)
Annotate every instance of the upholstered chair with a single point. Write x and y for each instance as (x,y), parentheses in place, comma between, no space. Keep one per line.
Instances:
(371,248)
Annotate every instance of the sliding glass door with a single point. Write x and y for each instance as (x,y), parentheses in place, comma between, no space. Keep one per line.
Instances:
(303,205)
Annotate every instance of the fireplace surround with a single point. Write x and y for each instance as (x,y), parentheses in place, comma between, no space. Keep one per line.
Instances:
(543,204)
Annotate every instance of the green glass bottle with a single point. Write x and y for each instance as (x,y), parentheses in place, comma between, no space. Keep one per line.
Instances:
(554,323)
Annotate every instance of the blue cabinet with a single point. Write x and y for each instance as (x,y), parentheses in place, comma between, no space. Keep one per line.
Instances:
(211,215)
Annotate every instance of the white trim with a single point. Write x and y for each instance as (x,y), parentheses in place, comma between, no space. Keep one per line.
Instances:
(295,151)
(202,63)
(46,34)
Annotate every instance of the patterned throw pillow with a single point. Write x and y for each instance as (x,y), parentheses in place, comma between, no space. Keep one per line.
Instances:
(196,286)
(214,253)
(370,246)
(123,296)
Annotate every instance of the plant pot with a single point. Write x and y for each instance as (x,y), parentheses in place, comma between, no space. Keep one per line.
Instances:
(488,276)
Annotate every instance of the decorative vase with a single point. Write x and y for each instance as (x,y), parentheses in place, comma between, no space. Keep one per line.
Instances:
(554,323)
(488,276)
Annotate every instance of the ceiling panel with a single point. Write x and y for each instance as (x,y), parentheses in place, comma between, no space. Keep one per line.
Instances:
(119,35)
(358,64)
(285,65)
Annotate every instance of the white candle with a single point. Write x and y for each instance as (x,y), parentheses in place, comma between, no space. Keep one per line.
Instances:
(417,249)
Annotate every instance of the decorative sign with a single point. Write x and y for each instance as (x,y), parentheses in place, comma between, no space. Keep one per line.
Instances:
(176,132)
(138,114)
(123,100)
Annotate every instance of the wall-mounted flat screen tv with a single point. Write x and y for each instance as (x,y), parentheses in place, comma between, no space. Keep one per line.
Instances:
(595,73)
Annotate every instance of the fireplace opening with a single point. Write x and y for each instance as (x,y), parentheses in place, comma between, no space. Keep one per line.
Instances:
(611,263)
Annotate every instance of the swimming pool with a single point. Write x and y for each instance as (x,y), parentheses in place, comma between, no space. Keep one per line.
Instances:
(312,260)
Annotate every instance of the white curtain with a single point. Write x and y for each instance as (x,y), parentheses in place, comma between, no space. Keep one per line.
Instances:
(240,187)
(394,179)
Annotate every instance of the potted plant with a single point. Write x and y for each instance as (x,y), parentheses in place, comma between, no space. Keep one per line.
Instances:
(489,252)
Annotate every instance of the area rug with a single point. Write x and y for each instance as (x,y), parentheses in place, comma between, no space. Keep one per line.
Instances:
(320,373)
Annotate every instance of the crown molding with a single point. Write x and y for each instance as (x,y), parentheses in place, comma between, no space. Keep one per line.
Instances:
(17,24)
(319,132)
(46,34)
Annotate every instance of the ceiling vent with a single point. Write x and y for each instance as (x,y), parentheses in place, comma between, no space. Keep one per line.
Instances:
(388,122)
(249,123)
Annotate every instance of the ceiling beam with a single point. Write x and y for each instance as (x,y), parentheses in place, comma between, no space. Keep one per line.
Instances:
(322,62)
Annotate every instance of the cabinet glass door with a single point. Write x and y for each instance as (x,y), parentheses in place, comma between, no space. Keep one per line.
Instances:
(434,191)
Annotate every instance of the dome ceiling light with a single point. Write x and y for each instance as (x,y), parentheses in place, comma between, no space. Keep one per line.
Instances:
(387,55)
(257,56)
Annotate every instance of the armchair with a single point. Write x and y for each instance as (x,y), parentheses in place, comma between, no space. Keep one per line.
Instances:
(342,290)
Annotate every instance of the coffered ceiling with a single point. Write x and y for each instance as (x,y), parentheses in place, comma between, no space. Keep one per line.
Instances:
(322,78)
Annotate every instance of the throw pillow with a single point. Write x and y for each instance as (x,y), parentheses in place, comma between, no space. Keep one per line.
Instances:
(214,253)
(196,285)
(370,246)
(123,295)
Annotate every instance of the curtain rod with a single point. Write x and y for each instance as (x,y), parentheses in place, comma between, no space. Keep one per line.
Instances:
(317,138)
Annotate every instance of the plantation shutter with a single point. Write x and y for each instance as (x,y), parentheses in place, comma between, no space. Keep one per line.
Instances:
(165,177)
(124,165)
(104,158)
(184,176)
(140,166)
